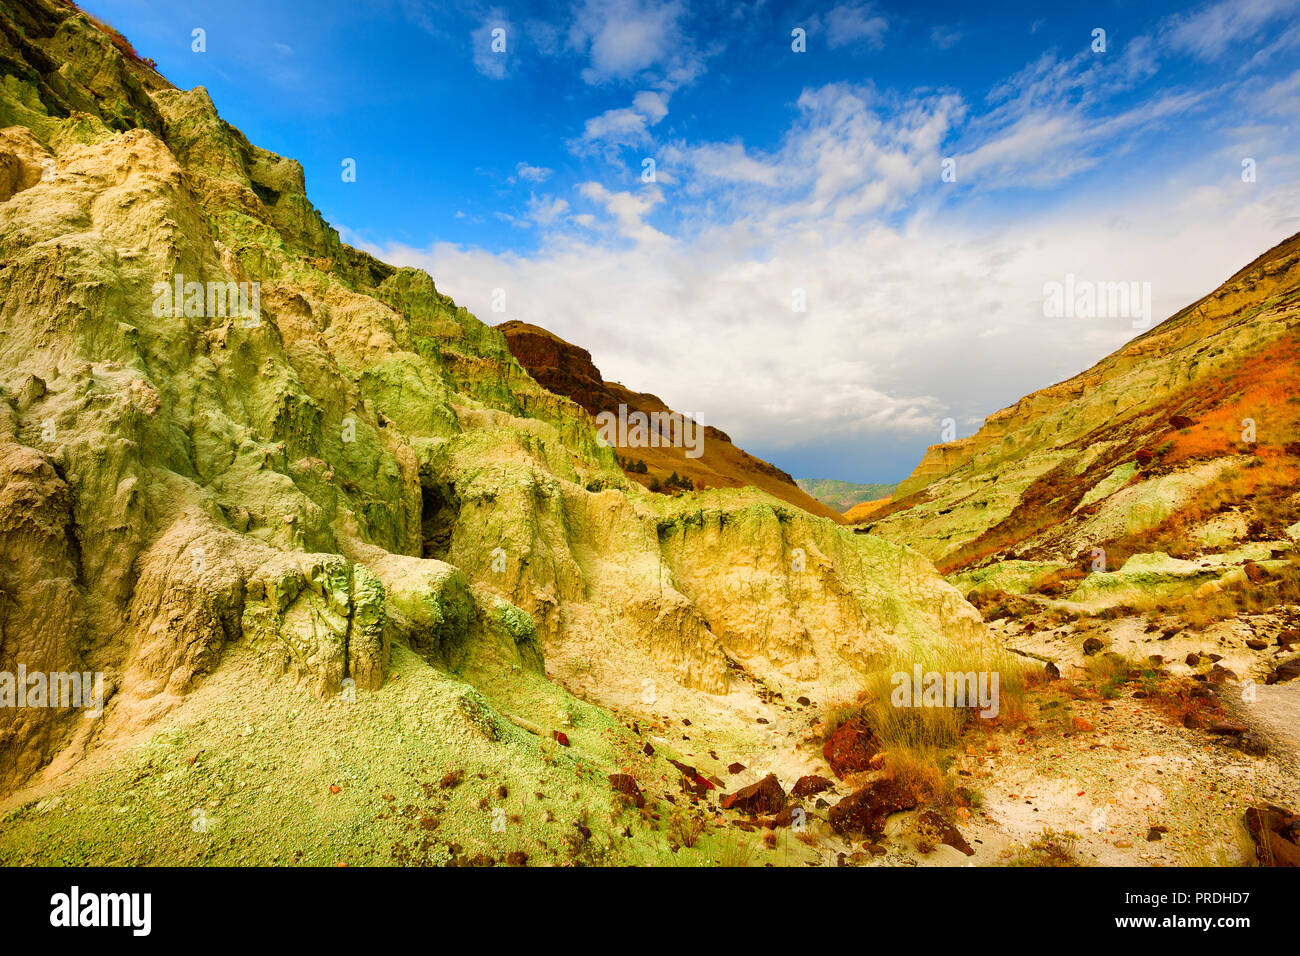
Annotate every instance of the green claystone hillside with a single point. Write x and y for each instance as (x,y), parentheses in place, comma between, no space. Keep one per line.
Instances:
(1129,445)
(356,474)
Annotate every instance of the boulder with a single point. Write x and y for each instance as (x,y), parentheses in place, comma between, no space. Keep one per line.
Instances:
(766,796)
(1226,727)
(1287,670)
(850,748)
(946,832)
(1276,832)
(810,785)
(692,780)
(864,811)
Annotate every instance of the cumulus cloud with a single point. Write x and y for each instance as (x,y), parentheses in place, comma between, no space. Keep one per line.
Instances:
(624,126)
(628,211)
(532,174)
(492,43)
(626,37)
(618,127)
(653,106)
(856,25)
(712,163)
(903,326)
(547,210)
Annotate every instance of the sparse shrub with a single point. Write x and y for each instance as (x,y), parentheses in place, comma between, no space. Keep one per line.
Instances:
(734,850)
(916,741)
(839,713)
(1234,599)
(1110,673)
(1050,848)
(679,483)
(685,828)
(941,726)
(923,771)
(1184,703)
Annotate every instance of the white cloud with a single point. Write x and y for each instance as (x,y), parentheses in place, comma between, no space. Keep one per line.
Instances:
(619,127)
(547,210)
(710,163)
(494,64)
(625,126)
(1217,28)
(904,326)
(856,25)
(945,38)
(653,106)
(626,37)
(532,174)
(628,211)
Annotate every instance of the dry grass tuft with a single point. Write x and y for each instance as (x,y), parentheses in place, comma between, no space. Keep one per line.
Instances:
(917,741)
(1051,848)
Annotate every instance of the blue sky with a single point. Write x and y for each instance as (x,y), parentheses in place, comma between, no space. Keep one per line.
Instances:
(777,171)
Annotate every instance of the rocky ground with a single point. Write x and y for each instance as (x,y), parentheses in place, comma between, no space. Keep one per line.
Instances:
(519,769)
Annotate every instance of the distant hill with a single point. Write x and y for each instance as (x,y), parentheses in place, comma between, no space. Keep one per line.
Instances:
(567,369)
(843,495)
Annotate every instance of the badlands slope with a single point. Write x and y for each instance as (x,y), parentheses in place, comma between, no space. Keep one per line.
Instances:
(1120,448)
(1149,506)
(360,588)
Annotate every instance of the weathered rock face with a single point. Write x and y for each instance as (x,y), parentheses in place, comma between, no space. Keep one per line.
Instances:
(41,607)
(343,460)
